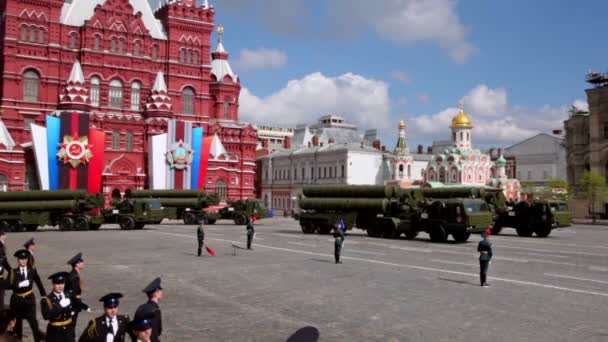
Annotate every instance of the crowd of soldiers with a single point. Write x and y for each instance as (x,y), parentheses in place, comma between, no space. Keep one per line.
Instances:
(62,305)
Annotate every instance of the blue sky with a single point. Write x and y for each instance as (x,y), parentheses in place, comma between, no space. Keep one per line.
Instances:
(518,64)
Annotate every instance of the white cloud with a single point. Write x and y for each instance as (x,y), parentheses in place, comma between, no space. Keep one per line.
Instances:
(405,78)
(360,100)
(581,104)
(407,21)
(261,58)
(494,121)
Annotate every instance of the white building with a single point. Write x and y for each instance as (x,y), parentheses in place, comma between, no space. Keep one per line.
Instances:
(539,158)
(274,136)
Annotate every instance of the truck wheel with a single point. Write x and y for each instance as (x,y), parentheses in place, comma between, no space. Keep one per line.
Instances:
(438,233)
(202,218)
(66,223)
(524,231)
(94,226)
(411,235)
(389,231)
(323,229)
(18,226)
(307,227)
(81,223)
(461,236)
(240,220)
(543,231)
(31,227)
(189,218)
(127,223)
(374,231)
(139,226)
(4,225)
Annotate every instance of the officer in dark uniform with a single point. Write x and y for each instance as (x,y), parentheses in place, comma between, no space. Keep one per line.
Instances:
(30,245)
(150,310)
(23,301)
(58,308)
(74,284)
(338,241)
(108,327)
(141,330)
(485,256)
(200,234)
(250,232)
(5,267)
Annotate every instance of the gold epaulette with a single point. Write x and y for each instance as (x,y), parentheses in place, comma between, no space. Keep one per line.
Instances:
(92,330)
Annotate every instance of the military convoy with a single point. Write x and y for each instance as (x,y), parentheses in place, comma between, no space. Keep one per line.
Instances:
(239,211)
(186,205)
(391,211)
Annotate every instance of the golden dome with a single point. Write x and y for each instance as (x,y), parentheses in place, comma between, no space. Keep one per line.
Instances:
(462,120)
(401,124)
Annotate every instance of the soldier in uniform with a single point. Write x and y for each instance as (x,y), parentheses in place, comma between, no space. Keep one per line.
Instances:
(30,245)
(58,308)
(109,327)
(250,232)
(150,310)
(141,330)
(23,301)
(5,267)
(200,234)
(485,256)
(338,241)
(74,284)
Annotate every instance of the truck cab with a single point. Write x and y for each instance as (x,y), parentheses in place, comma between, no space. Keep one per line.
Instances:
(134,213)
(458,217)
(562,217)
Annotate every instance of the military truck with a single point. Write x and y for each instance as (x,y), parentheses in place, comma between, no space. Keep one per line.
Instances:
(135,213)
(238,211)
(68,209)
(534,217)
(458,217)
(189,205)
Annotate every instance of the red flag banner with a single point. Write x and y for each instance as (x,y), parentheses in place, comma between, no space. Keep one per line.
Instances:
(206,151)
(96,140)
(209,250)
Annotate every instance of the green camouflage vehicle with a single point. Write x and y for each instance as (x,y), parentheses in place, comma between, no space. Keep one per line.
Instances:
(535,217)
(562,216)
(135,213)
(239,211)
(458,217)
(188,205)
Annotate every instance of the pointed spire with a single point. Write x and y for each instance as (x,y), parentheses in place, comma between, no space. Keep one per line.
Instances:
(206,4)
(220,67)
(5,136)
(217,148)
(76,94)
(159,83)
(401,148)
(159,102)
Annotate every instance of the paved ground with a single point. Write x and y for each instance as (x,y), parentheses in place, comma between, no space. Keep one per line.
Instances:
(552,289)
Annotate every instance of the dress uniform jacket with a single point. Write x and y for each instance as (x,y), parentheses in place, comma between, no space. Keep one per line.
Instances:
(98,329)
(60,327)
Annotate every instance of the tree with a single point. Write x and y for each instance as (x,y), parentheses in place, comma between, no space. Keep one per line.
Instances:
(556,188)
(593,188)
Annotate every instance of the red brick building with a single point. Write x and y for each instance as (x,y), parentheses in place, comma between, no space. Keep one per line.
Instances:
(121,45)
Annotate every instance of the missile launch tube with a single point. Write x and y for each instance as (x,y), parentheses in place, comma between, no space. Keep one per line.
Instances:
(344,204)
(351,191)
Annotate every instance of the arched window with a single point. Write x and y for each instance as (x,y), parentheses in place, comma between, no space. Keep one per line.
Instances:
(121,46)
(115,140)
(24,33)
(342,167)
(129,146)
(461,136)
(154,52)
(33,34)
(31,82)
(409,171)
(220,190)
(116,194)
(41,34)
(189,56)
(73,39)
(400,170)
(182,55)
(3,183)
(196,57)
(114,44)
(137,48)
(468,136)
(226,109)
(97,42)
(95,84)
(135,95)
(116,94)
(442,175)
(188,101)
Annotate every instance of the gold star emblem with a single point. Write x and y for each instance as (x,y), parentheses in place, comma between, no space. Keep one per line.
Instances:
(75,150)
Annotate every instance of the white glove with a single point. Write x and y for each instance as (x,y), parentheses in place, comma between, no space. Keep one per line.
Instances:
(88,309)
(24,283)
(65,302)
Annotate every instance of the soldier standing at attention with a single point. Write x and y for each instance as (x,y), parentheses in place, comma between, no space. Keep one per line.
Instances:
(57,308)
(150,310)
(339,240)
(485,256)
(250,232)
(109,327)
(200,234)
(74,285)
(23,300)
(4,265)
(30,246)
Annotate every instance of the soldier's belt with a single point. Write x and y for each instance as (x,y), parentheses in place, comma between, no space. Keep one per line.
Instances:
(24,294)
(61,323)
(77,296)
(2,276)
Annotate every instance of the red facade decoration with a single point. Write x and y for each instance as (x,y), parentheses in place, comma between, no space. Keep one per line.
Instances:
(121,46)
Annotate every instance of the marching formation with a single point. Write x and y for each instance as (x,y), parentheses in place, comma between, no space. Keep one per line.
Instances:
(63,304)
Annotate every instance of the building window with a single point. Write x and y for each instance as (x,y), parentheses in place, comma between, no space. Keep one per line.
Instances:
(606,129)
(303,173)
(461,136)
(135,95)
(312,173)
(226,109)
(189,56)
(33,32)
(220,190)
(295,174)
(342,170)
(30,86)
(319,175)
(468,136)
(73,40)
(137,48)
(331,175)
(324,172)
(188,101)
(116,94)
(115,140)
(41,36)
(529,174)
(24,33)
(95,84)
(154,54)
(409,171)
(182,56)
(518,174)
(27,122)
(195,57)
(114,44)
(3,183)
(545,175)
(129,146)
(121,46)
(97,43)
(400,170)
